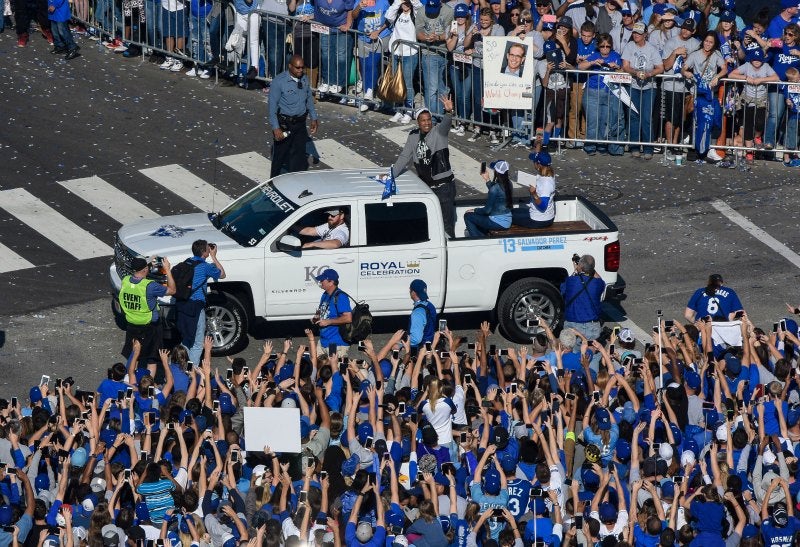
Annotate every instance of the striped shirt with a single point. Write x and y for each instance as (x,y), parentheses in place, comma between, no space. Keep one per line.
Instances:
(158,497)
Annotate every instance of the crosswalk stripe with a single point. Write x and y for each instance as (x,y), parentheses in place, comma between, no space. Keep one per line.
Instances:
(11,261)
(113,202)
(465,168)
(250,164)
(339,156)
(188,186)
(52,224)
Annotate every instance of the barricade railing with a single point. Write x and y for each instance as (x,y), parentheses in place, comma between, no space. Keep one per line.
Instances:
(609,114)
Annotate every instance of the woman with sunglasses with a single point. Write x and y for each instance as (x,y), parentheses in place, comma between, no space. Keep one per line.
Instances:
(460,70)
(543,7)
(783,57)
(603,114)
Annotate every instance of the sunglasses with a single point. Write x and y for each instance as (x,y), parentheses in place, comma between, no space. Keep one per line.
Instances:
(606,46)
(525,21)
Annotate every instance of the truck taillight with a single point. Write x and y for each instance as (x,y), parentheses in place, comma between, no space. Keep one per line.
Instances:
(611,257)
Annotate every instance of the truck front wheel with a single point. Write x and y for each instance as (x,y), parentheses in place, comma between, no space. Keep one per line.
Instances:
(226,323)
(525,300)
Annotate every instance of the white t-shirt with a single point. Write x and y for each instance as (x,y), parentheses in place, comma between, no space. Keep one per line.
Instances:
(172,5)
(619,526)
(546,188)
(340,233)
(441,419)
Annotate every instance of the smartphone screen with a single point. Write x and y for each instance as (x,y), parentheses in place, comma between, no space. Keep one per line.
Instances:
(331,349)
(14,402)
(471,346)
(463,437)
(483,167)
(442,325)
(401,407)
(612,349)
(596,396)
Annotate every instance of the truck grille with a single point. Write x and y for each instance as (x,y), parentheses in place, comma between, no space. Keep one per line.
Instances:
(123,257)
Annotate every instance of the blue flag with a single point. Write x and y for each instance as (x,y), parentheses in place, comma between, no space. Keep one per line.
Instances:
(389,184)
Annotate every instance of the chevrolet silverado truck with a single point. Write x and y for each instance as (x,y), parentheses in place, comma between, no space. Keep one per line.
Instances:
(516,275)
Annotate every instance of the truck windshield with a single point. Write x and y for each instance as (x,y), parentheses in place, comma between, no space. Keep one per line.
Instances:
(251,217)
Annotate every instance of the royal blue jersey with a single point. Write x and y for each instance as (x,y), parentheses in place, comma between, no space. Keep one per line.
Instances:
(721,305)
(519,493)
(775,536)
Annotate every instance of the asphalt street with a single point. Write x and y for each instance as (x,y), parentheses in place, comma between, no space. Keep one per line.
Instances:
(105,116)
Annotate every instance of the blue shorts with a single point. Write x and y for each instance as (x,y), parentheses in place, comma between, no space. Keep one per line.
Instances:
(174,23)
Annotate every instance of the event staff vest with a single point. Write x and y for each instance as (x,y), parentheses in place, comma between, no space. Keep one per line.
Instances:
(430,321)
(133,299)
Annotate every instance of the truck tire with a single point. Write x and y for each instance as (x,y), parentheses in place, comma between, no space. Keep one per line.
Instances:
(226,323)
(528,299)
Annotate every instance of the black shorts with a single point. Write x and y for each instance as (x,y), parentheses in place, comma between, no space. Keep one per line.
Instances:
(150,336)
(555,104)
(673,107)
(754,119)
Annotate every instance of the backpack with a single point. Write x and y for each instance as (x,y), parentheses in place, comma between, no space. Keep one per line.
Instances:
(361,325)
(183,274)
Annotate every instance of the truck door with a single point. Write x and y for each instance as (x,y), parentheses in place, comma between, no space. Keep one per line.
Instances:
(400,243)
(290,285)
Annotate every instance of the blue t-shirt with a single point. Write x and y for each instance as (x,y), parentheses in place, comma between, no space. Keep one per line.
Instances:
(778,537)
(643,539)
(794,98)
(370,19)
(332,14)
(332,306)
(108,390)
(495,502)
(722,304)
(202,272)
(595,81)
(377,540)
(781,59)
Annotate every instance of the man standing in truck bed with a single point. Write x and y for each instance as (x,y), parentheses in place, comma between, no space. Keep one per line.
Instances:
(428,147)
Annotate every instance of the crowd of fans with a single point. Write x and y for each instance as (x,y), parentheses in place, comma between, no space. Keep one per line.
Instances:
(683,440)
(677,55)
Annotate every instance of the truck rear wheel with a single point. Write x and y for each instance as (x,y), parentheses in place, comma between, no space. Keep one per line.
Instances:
(527,299)
(226,323)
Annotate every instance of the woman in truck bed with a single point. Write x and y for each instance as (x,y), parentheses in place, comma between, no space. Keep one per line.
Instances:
(496,214)
(540,211)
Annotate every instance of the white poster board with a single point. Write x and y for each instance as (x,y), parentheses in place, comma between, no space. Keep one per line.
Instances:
(278,428)
(508,66)
(526,179)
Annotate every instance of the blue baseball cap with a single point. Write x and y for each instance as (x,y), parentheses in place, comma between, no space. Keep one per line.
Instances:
(491,482)
(364,431)
(603,419)
(35,394)
(432,7)
(692,379)
(623,449)
(542,158)
(329,274)
(733,364)
(668,490)
(607,512)
(461,10)
(419,287)
(727,16)
(350,465)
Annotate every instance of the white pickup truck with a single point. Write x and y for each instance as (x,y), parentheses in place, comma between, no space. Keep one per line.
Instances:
(515,275)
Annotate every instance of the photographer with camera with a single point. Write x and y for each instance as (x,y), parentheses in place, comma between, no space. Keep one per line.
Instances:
(191,320)
(582,292)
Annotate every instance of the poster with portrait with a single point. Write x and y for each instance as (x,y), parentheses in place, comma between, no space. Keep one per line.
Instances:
(508,72)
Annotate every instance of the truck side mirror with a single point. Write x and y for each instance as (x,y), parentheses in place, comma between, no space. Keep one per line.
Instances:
(289,243)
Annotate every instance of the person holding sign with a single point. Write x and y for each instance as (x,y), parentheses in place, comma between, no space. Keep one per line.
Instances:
(496,214)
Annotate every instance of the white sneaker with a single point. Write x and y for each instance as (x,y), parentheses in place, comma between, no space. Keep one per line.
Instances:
(368,96)
(335,89)
(396,118)
(364,107)
(192,73)
(405,119)
(712,155)
(120,48)
(323,88)
(476,133)
(204,74)
(493,137)
(461,131)
(359,86)
(177,65)
(166,65)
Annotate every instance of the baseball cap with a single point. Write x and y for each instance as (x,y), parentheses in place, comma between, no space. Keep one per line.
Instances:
(692,379)
(364,531)
(79,457)
(756,54)
(491,483)
(333,211)
(328,275)
(288,402)
(433,6)
(499,166)
(112,536)
(419,287)
(623,450)
(461,10)
(6,514)
(542,158)
(138,263)
(779,515)
(668,490)
(500,437)
(565,21)
(733,364)
(625,335)
(727,16)
(603,419)
(607,512)
(35,394)
(400,541)
(350,465)
(689,24)
(639,28)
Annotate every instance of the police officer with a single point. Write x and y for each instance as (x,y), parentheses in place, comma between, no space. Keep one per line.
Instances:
(422,323)
(582,292)
(138,299)
(290,103)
